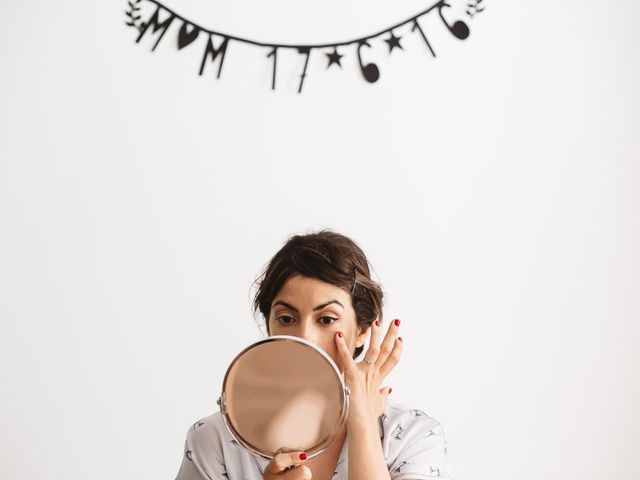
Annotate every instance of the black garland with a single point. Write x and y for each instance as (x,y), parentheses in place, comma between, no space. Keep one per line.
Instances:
(474,8)
(189,32)
(132,13)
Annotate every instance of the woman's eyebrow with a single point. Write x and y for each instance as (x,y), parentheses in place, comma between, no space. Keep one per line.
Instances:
(319,307)
(285,304)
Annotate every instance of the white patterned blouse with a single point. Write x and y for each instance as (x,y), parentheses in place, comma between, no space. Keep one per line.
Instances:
(413,444)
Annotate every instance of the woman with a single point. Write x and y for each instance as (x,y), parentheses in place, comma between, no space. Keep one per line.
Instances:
(318,287)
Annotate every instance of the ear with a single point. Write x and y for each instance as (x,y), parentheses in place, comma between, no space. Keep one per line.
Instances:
(363,333)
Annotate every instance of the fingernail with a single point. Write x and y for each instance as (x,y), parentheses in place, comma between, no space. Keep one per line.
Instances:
(397,323)
(377,323)
(303,456)
(400,338)
(340,334)
(390,390)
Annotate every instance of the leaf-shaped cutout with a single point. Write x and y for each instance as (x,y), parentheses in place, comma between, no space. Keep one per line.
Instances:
(186,37)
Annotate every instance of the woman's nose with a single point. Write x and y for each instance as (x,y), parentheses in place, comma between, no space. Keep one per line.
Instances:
(308,332)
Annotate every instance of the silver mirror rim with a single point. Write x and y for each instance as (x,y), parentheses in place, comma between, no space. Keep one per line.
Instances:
(324,443)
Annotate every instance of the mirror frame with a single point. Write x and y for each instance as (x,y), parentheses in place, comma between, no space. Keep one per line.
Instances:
(315,449)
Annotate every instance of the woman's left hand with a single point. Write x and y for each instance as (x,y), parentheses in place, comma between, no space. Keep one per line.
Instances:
(366,398)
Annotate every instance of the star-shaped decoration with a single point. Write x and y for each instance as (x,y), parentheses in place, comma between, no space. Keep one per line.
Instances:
(334,57)
(393,42)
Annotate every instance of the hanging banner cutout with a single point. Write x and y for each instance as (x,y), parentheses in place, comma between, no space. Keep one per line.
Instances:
(161,18)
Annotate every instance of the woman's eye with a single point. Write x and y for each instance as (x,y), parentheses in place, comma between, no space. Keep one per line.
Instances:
(328,320)
(285,319)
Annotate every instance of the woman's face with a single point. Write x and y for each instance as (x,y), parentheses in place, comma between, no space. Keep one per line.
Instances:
(315,310)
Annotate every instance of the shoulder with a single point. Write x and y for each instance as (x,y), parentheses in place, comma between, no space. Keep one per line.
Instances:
(211,452)
(414,443)
(404,422)
(205,443)
(206,430)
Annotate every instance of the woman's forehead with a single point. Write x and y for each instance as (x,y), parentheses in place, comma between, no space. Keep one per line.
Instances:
(306,290)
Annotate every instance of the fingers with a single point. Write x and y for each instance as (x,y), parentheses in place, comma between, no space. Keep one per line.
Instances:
(281,462)
(385,392)
(374,343)
(393,358)
(300,472)
(344,355)
(388,345)
(382,400)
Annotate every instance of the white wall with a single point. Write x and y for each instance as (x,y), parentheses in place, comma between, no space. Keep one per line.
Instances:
(495,189)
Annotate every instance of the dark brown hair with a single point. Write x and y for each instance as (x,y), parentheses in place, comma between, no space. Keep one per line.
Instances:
(327,256)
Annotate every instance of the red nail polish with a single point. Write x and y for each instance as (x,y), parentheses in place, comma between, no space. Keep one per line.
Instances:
(303,456)
(377,323)
(397,323)
(400,338)
(340,334)
(390,390)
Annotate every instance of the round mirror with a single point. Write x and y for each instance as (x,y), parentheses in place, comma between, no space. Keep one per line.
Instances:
(284,393)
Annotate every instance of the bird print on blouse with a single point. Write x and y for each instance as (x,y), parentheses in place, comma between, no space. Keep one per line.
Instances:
(397,432)
(399,467)
(224,473)
(335,472)
(189,456)
(197,425)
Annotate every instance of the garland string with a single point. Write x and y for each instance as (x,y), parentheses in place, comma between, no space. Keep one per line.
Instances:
(190,31)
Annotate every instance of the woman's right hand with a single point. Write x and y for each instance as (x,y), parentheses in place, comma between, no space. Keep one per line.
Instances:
(287,466)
